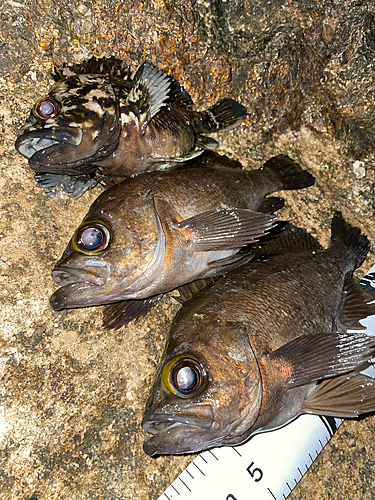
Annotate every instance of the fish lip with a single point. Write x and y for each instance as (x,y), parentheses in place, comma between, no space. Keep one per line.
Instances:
(154,423)
(65,275)
(73,282)
(31,143)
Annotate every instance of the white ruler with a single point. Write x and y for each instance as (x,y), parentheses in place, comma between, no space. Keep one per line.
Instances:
(268,466)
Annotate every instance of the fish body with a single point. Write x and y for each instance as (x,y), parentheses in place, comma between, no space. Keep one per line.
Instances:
(107,125)
(166,229)
(263,344)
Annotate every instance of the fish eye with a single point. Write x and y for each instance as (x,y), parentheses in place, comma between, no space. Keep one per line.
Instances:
(48,108)
(91,238)
(184,376)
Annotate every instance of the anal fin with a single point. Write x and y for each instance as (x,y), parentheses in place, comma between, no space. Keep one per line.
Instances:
(357,305)
(191,289)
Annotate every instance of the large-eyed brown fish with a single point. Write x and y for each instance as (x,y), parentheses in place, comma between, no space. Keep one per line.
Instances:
(157,231)
(101,123)
(265,343)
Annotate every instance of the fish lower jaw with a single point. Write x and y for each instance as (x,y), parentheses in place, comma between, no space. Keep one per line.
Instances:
(77,294)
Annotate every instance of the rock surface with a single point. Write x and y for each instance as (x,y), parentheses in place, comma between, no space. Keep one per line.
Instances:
(72,395)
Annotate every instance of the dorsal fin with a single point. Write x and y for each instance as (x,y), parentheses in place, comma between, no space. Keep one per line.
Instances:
(149,92)
(179,95)
(106,66)
(357,305)
(291,240)
(356,242)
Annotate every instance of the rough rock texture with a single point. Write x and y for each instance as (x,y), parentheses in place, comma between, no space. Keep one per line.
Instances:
(71,394)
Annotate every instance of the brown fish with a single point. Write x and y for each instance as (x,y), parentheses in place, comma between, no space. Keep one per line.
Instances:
(157,231)
(265,343)
(96,123)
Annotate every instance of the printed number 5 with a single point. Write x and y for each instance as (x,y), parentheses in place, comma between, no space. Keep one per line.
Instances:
(255,473)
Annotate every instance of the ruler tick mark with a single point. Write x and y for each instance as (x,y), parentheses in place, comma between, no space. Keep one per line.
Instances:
(167,496)
(311,458)
(273,496)
(199,469)
(290,489)
(213,455)
(238,453)
(184,484)
(202,457)
(175,490)
(299,470)
(190,474)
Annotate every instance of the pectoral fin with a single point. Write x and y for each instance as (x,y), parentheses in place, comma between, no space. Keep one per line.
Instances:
(149,92)
(225,229)
(318,356)
(347,396)
(121,313)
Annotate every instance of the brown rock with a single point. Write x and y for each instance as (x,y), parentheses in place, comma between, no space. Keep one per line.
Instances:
(72,395)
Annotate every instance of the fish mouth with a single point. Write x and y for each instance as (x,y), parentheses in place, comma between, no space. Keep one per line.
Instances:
(34,144)
(168,431)
(79,288)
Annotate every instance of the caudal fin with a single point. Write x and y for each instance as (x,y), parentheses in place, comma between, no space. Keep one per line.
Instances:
(224,115)
(287,173)
(353,239)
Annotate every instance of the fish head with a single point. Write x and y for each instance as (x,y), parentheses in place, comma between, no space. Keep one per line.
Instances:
(115,253)
(76,124)
(205,394)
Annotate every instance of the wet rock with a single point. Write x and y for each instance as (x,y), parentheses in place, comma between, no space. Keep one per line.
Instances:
(72,395)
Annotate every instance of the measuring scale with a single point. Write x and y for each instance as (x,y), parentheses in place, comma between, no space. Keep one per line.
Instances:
(269,465)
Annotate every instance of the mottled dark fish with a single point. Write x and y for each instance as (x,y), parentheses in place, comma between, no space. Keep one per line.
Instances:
(157,231)
(103,124)
(265,343)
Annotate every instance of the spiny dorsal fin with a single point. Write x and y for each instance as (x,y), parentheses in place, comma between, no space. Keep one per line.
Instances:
(357,305)
(291,240)
(149,92)
(105,66)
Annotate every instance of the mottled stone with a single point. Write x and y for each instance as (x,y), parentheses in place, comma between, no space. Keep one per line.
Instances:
(72,395)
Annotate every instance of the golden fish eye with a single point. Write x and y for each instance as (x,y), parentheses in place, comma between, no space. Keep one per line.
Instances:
(48,108)
(184,376)
(91,238)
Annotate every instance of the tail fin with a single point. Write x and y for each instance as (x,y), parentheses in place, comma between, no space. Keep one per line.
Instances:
(342,232)
(288,173)
(224,115)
